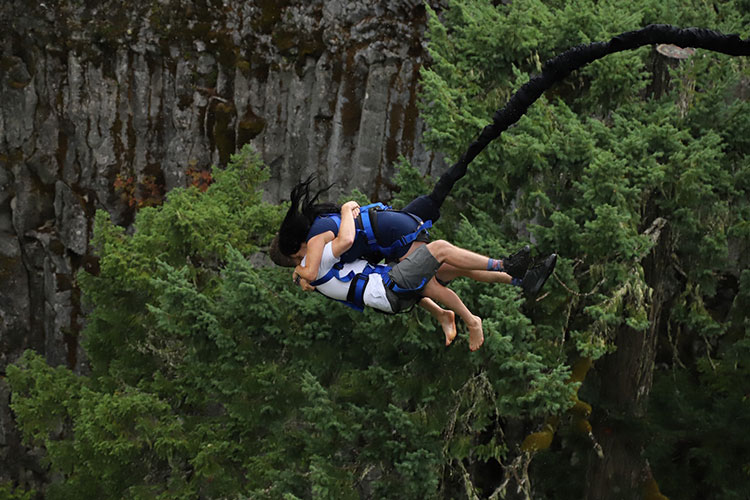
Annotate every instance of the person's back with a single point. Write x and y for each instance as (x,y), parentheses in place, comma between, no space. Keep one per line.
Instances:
(388,226)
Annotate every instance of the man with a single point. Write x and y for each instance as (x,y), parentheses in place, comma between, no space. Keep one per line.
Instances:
(382,233)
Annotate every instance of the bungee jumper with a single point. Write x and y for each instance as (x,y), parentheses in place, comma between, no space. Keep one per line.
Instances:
(309,229)
(381,232)
(417,278)
(363,236)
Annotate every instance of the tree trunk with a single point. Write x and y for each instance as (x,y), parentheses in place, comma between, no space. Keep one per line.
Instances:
(626,377)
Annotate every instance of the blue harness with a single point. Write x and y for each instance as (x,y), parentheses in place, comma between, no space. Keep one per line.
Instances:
(367,225)
(358,283)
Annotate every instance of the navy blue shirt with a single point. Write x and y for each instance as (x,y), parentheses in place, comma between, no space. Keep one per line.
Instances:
(391,225)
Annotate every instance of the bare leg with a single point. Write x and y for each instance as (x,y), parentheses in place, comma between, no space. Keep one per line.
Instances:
(447,253)
(448,297)
(446,318)
(448,272)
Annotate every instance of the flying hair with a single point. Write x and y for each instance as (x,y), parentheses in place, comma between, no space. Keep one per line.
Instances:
(303,209)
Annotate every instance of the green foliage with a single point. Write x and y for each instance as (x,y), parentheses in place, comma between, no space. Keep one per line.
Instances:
(703,443)
(211,377)
(411,184)
(587,171)
(8,492)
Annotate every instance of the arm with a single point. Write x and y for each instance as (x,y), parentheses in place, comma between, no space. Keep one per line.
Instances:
(341,243)
(314,253)
(347,230)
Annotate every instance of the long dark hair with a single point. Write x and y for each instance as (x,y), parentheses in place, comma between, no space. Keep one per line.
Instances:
(302,212)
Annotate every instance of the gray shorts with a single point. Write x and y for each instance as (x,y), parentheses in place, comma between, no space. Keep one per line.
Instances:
(420,265)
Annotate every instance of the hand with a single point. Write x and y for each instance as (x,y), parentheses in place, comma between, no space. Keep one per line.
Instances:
(299,270)
(353,206)
(301,282)
(305,285)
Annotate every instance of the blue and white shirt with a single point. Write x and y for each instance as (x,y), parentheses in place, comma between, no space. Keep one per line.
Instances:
(374,295)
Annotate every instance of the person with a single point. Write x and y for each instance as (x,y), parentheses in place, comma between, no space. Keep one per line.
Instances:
(394,289)
(381,233)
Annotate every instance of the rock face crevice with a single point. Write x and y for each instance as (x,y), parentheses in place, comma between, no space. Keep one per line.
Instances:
(109,105)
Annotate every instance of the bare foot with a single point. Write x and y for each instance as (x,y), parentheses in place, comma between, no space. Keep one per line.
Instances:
(448,322)
(476,335)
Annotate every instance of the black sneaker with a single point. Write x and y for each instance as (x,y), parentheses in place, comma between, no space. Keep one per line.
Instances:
(516,264)
(534,279)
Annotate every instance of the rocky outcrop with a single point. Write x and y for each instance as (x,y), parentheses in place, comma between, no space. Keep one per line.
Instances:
(108,105)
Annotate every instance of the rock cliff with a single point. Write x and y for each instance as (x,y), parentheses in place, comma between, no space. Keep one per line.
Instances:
(109,105)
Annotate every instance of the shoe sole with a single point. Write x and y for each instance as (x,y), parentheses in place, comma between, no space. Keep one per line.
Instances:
(527,251)
(549,264)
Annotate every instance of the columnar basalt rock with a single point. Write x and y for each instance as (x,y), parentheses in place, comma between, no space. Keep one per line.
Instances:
(109,105)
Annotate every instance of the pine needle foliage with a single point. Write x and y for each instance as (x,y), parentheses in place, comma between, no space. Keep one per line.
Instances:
(588,172)
(212,377)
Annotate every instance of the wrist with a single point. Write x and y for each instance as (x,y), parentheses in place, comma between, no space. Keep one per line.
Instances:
(305,274)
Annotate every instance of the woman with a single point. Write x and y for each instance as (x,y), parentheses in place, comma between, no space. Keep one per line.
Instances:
(382,233)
